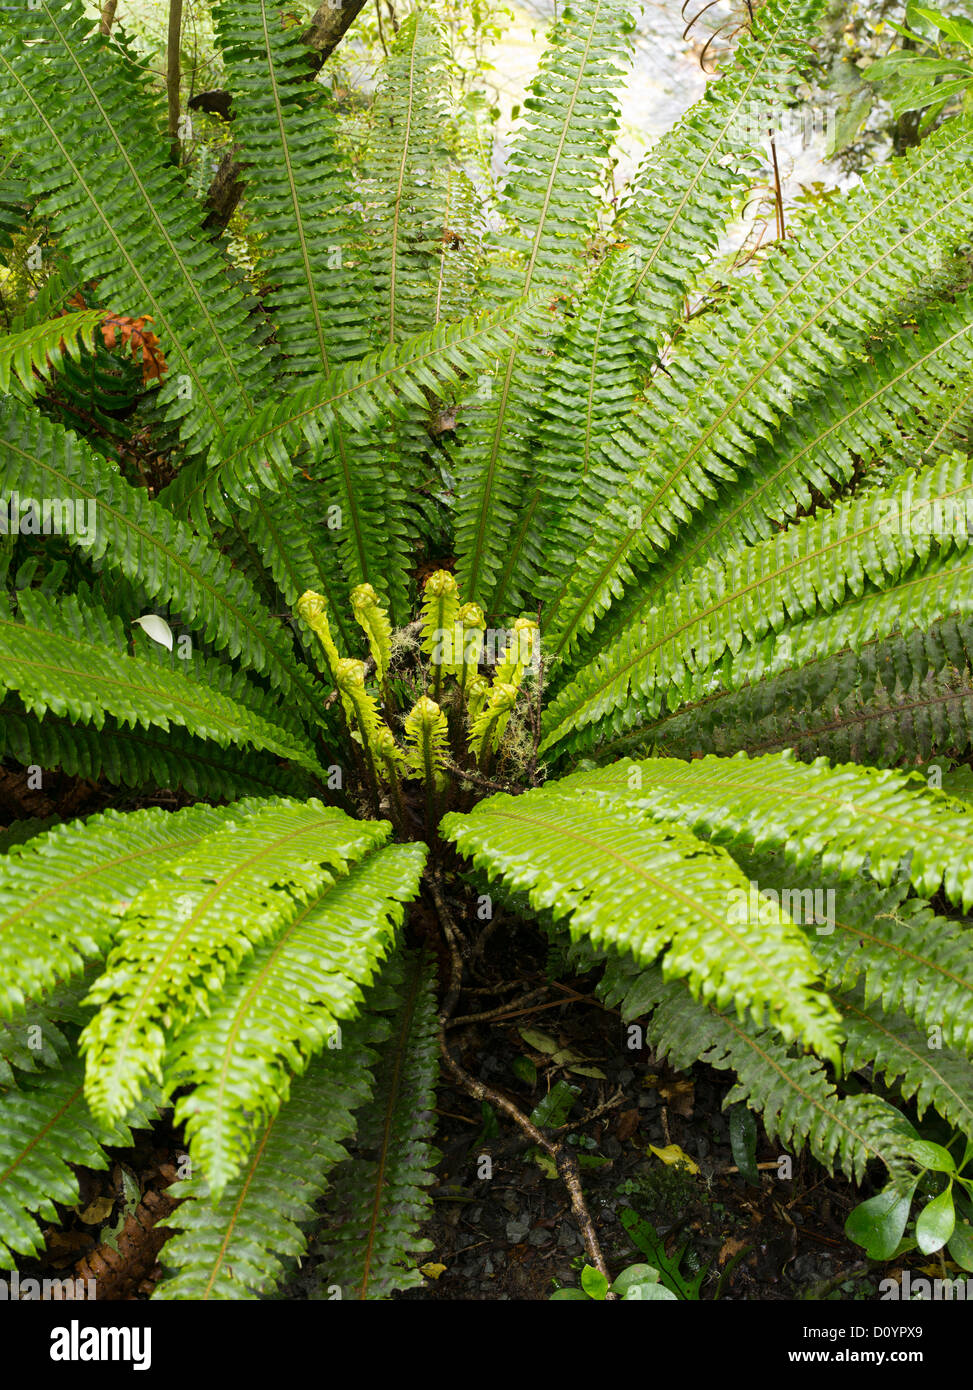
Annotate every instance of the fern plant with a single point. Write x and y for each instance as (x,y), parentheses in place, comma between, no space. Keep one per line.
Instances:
(711,603)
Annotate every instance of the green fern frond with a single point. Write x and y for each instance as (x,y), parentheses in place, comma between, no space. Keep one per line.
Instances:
(373,619)
(195,924)
(407,175)
(136,757)
(377,1203)
(626,882)
(858,414)
(893,948)
(807,317)
(426,741)
(371,498)
(910,1061)
(832,817)
(489,719)
(570,118)
(886,704)
(30,356)
(794,1095)
(32,1039)
(44,1129)
(297,188)
(53,666)
(687,184)
(83,122)
(121,526)
(284,1005)
(236,1248)
(62,893)
(759,589)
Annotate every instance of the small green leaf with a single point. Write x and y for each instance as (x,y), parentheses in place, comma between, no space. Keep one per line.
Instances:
(524,1070)
(879,1223)
(553,1110)
(594,1282)
(929,1155)
(961,1245)
(936,1222)
(541,1042)
(635,1274)
(743,1143)
(574,1294)
(657,1293)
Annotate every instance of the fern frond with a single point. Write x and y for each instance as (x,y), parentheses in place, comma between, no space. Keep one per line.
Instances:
(62,892)
(32,1040)
(794,1095)
(44,1129)
(489,719)
(297,188)
(892,948)
(377,1203)
(234,1249)
(406,189)
(808,317)
(53,669)
(284,1005)
(758,589)
(188,930)
(137,757)
(886,704)
(571,115)
(834,817)
(930,1075)
(876,405)
(373,619)
(686,186)
(371,497)
(83,121)
(30,356)
(426,741)
(626,882)
(130,533)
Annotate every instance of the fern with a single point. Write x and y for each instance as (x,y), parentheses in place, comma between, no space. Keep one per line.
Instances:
(29,356)
(241,886)
(378,1202)
(44,1129)
(235,1248)
(798,1101)
(736,526)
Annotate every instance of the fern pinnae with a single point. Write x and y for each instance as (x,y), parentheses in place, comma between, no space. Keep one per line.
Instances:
(932,1076)
(570,107)
(198,922)
(803,320)
(376,1205)
(161,262)
(50,1127)
(440,614)
(29,357)
(291,1000)
(235,1248)
(51,670)
(62,892)
(798,1100)
(137,536)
